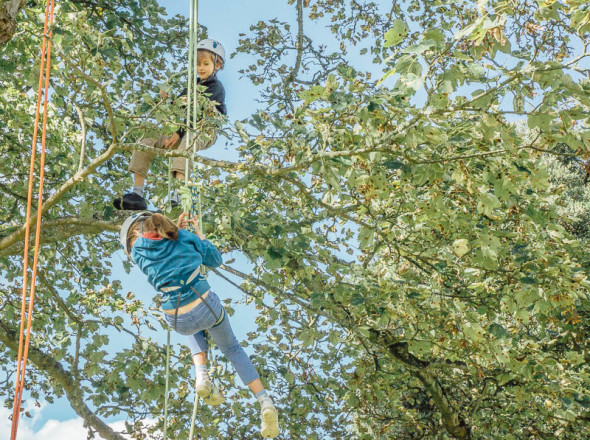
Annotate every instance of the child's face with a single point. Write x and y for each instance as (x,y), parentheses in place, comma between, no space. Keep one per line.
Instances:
(205,64)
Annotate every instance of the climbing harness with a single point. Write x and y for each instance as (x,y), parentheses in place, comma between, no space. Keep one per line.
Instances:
(23,346)
(167,289)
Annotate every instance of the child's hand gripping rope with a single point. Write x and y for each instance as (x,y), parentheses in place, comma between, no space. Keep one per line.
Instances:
(183,222)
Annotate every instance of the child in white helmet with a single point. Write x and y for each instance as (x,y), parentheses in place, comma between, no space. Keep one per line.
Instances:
(210,59)
(171,258)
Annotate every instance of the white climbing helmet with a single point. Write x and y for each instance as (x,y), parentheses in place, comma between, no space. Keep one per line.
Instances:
(128,224)
(212,46)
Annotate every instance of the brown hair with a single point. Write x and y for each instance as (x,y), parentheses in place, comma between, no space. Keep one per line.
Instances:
(216,59)
(132,235)
(162,226)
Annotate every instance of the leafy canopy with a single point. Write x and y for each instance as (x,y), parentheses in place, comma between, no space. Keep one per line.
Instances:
(415,275)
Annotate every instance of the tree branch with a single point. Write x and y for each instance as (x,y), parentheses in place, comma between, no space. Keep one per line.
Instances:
(83,125)
(9,241)
(55,230)
(8,12)
(451,418)
(299,45)
(103,91)
(46,363)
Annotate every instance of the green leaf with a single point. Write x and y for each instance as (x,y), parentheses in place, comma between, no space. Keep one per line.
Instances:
(417,49)
(396,34)
(488,202)
(460,247)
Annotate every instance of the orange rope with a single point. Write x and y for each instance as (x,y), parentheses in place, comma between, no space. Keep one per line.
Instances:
(23,350)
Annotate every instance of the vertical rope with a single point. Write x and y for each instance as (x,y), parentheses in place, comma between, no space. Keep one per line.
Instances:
(169,202)
(194,417)
(191,80)
(191,88)
(200,212)
(167,385)
(193,124)
(195,114)
(23,351)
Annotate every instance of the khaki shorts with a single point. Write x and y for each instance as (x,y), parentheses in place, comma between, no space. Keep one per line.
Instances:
(142,160)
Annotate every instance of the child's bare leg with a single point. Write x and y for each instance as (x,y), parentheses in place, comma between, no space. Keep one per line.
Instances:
(256,386)
(200,359)
(203,382)
(139,184)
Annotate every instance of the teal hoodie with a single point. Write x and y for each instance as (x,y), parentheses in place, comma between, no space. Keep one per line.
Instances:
(171,263)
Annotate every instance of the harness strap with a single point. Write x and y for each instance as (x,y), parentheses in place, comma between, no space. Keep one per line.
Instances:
(192,276)
(220,317)
(176,311)
(217,318)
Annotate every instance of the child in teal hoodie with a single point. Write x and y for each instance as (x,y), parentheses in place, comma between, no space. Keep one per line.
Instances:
(171,257)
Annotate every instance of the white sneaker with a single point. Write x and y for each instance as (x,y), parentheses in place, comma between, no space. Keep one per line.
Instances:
(215,398)
(207,391)
(270,419)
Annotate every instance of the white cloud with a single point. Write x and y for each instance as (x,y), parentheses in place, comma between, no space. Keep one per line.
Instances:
(72,429)
(6,425)
(55,430)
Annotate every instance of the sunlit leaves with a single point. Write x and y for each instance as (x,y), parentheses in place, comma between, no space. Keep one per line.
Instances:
(396,34)
(415,209)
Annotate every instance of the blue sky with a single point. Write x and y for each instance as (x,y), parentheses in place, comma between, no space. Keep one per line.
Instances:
(224,23)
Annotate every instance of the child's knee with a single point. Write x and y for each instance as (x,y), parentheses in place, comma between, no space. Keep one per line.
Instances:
(140,163)
(179,166)
(231,349)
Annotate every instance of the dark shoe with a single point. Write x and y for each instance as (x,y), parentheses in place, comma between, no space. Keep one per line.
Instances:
(130,202)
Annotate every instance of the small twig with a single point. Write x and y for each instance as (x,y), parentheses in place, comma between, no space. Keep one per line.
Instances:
(83,146)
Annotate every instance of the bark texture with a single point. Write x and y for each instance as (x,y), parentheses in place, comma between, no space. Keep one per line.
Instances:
(44,362)
(9,9)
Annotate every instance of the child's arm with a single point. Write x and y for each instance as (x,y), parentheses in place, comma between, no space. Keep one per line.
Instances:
(209,253)
(216,93)
(172,141)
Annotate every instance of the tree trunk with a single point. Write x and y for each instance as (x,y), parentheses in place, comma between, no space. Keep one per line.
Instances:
(451,418)
(56,372)
(8,11)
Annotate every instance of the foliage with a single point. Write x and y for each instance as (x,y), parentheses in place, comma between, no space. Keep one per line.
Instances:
(407,248)
(568,176)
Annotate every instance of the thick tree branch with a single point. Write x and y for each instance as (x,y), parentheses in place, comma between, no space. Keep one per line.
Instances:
(54,231)
(45,363)
(9,10)
(10,240)
(83,126)
(451,418)
(299,44)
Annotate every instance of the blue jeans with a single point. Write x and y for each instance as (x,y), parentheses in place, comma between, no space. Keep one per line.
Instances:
(193,324)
